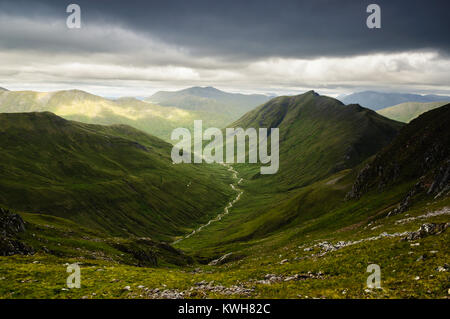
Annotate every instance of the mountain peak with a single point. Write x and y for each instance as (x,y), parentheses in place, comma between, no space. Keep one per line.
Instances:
(320,127)
(312,92)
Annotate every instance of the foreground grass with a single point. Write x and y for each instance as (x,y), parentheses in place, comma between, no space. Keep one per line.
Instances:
(409,269)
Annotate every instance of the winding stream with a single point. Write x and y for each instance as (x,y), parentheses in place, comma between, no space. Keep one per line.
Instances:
(227,207)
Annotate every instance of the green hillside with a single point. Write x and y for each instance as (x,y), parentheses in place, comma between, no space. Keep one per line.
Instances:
(313,237)
(112,178)
(319,136)
(319,228)
(421,150)
(405,112)
(88,108)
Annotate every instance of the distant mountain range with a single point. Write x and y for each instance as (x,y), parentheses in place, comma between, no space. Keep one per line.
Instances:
(380,100)
(408,111)
(209,99)
(89,108)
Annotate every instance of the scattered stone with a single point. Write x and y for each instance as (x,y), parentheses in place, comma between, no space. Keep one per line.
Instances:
(422,257)
(426,230)
(284,261)
(443,211)
(442,268)
(271,278)
(198,291)
(128,288)
(201,283)
(326,247)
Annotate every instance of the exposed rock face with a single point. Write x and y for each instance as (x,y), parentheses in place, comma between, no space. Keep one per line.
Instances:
(10,223)
(10,226)
(420,153)
(441,180)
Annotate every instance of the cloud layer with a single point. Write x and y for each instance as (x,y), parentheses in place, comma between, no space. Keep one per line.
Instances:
(137,47)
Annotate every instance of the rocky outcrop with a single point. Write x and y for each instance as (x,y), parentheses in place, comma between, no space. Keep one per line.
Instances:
(441,180)
(420,154)
(199,290)
(427,230)
(273,279)
(11,225)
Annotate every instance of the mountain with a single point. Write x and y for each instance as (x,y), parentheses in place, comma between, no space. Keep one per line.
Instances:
(318,136)
(380,100)
(420,154)
(116,179)
(405,112)
(337,218)
(209,99)
(88,108)
(299,242)
(3,89)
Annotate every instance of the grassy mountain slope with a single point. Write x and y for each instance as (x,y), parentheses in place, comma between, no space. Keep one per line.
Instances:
(209,99)
(405,112)
(421,150)
(308,242)
(319,139)
(379,100)
(88,108)
(315,229)
(114,178)
(319,136)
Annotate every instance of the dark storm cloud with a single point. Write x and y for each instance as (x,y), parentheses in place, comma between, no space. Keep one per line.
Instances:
(253,29)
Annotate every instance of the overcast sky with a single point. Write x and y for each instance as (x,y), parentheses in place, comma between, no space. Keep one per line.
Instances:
(282,47)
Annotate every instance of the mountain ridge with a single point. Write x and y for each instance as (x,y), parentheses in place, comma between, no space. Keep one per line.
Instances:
(113,178)
(319,135)
(379,100)
(209,99)
(405,112)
